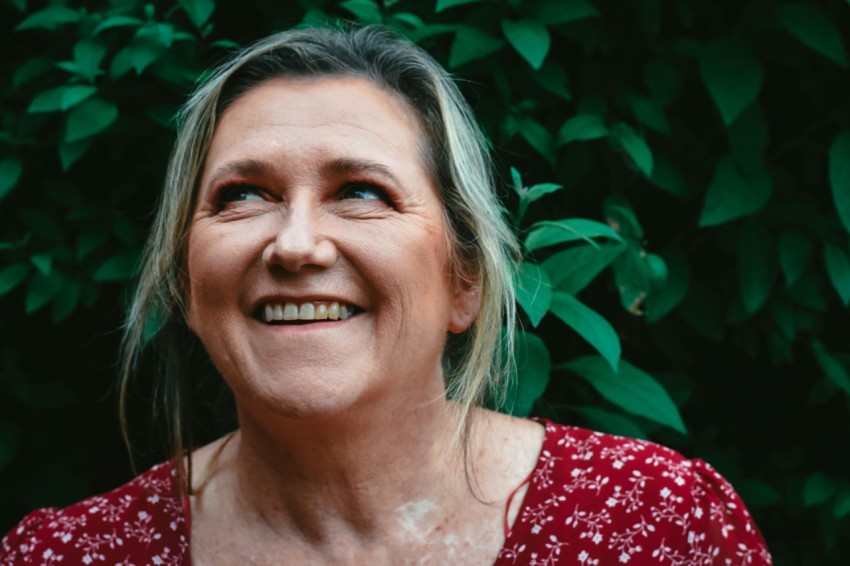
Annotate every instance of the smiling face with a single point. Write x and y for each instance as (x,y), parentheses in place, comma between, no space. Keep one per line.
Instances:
(314,204)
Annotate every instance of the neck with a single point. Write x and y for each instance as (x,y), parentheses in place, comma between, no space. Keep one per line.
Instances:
(365,474)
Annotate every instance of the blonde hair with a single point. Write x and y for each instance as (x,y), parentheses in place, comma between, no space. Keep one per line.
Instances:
(484,250)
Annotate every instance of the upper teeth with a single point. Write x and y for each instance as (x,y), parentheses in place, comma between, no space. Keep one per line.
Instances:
(307,311)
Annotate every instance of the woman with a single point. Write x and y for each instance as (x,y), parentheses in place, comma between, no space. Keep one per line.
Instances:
(330,234)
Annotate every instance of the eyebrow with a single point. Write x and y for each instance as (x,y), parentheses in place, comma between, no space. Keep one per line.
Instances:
(349,165)
(339,166)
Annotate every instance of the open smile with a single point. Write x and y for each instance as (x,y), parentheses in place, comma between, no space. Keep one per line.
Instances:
(304,312)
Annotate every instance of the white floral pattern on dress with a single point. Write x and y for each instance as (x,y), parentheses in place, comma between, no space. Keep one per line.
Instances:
(593,499)
(597,499)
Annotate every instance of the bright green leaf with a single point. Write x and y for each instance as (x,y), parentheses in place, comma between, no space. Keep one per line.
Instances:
(88,55)
(117,268)
(199,11)
(533,369)
(814,30)
(558,12)
(11,276)
(537,137)
(540,190)
(571,270)
(832,368)
(470,44)
(757,265)
(582,127)
(548,233)
(817,489)
(795,251)
(839,176)
(530,39)
(589,324)
(731,195)
(732,74)
(116,22)
(89,118)
(838,269)
(630,389)
(635,147)
(50,18)
(534,292)
(10,172)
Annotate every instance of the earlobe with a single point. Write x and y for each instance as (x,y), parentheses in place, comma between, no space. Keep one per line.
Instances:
(467,303)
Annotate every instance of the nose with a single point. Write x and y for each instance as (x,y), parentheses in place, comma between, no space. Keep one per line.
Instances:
(300,242)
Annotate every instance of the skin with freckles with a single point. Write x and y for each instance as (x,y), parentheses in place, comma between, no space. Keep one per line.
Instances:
(314,191)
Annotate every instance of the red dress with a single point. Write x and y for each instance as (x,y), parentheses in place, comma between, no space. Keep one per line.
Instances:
(592,499)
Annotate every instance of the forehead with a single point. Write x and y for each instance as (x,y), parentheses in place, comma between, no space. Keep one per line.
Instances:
(345,111)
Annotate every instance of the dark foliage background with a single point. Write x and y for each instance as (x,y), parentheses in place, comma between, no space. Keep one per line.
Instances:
(678,171)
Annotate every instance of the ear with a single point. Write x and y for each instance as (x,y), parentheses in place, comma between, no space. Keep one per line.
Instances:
(466,305)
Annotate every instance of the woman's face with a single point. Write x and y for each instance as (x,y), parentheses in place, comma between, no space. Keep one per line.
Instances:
(314,204)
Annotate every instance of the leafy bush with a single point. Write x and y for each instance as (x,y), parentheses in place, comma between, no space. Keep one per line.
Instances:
(678,173)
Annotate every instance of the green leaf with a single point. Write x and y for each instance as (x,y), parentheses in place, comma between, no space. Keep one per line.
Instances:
(589,325)
(635,147)
(749,138)
(832,368)
(90,239)
(10,173)
(817,489)
(559,12)
(70,153)
(530,39)
(571,270)
(814,30)
(795,251)
(633,276)
(663,80)
(540,190)
(60,98)
(842,504)
(537,137)
(670,294)
(838,269)
(731,195)
(88,55)
(11,276)
(620,215)
(648,113)
(148,45)
(582,127)
(445,4)
(34,68)
(533,369)
(666,176)
(630,389)
(470,44)
(553,78)
(66,301)
(42,262)
(199,11)
(42,289)
(548,233)
(611,423)
(117,268)
(757,265)
(116,22)
(89,118)
(534,292)
(366,11)
(732,74)
(44,225)
(50,18)
(839,176)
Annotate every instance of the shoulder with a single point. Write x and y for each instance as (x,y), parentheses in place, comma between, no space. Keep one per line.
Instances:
(143,518)
(619,499)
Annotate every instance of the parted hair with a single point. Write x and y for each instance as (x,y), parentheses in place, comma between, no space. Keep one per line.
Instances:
(454,151)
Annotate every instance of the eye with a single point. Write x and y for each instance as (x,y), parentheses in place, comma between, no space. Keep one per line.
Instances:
(239,193)
(364,191)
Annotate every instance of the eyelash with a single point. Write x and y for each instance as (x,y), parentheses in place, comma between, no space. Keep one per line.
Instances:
(231,192)
(366,186)
(228,193)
